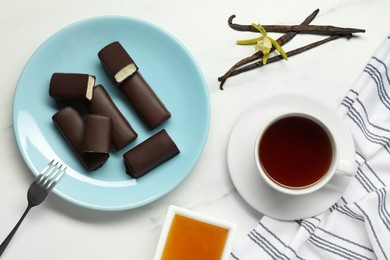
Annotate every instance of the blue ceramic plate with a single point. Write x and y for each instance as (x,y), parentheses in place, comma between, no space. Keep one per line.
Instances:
(167,66)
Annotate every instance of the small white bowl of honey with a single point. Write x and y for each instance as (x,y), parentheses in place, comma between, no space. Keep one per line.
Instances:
(189,235)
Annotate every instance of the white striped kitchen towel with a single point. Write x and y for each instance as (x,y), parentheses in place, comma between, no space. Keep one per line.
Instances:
(358,225)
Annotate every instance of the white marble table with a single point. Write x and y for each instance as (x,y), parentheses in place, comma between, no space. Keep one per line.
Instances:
(59,230)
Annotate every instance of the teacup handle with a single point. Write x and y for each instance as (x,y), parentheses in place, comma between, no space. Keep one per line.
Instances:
(346,168)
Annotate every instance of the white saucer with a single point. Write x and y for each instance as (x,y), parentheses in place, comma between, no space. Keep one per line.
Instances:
(247,180)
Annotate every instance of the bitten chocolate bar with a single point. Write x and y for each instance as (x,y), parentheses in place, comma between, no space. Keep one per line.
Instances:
(117,62)
(97,134)
(102,104)
(149,154)
(145,102)
(71,125)
(71,86)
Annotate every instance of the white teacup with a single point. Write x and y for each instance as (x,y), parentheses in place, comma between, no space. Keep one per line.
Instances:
(296,152)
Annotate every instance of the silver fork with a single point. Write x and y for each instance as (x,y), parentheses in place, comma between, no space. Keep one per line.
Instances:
(37,193)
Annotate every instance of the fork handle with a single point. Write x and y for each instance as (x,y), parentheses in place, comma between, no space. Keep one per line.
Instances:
(9,237)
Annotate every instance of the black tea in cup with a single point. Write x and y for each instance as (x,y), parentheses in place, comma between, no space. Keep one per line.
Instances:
(295,151)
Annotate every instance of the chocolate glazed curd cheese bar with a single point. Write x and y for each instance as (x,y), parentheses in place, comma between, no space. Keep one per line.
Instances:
(117,62)
(71,125)
(102,104)
(123,70)
(149,154)
(97,134)
(71,86)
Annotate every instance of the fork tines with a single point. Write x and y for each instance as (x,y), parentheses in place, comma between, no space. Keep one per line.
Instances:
(50,175)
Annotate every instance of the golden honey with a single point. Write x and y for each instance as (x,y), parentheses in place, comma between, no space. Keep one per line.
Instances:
(192,239)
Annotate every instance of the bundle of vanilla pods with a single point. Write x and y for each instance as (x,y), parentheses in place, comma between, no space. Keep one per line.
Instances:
(255,60)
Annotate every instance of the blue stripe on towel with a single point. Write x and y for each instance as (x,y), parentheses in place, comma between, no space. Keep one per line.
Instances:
(348,212)
(367,218)
(270,249)
(335,248)
(364,181)
(356,117)
(368,166)
(279,240)
(376,76)
(382,210)
(234,256)
(345,239)
(386,72)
